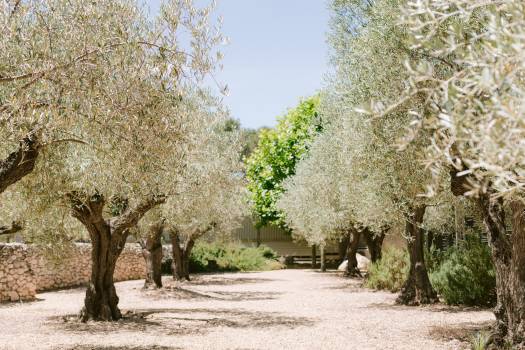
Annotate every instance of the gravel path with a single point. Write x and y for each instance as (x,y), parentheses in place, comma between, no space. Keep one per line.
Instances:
(287,309)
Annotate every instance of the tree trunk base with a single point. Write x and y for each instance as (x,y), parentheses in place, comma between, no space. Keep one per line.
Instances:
(354,272)
(417,290)
(101,306)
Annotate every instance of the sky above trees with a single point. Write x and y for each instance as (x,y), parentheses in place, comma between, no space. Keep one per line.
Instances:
(276,55)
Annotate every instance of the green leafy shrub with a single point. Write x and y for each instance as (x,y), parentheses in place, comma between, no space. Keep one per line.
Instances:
(434,257)
(268,252)
(466,275)
(212,257)
(390,272)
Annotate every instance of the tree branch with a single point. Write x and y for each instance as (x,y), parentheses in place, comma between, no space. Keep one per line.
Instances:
(35,76)
(21,162)
(86,209)
(15,8)
(132,216)
(8,230)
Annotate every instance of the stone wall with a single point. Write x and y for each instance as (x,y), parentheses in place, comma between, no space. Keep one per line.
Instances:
(24,270)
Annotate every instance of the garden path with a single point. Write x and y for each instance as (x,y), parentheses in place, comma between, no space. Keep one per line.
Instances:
(286,309)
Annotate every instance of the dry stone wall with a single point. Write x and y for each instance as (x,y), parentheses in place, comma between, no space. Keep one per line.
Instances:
(24,270)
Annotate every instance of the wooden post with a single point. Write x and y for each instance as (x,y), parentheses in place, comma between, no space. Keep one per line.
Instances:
(314,257)
(258,242)
(459,217)
(323,259)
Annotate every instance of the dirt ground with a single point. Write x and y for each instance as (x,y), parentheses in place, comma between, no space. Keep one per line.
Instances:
(286,309)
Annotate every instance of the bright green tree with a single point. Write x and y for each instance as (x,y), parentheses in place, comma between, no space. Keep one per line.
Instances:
(276,156)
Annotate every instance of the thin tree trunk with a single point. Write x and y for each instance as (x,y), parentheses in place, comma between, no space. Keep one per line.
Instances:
(374,243)
(430,239)
(186,262)
(108,238)
(417,288)
(323,258)
(181,257)
(343,247)
(177,253)
(314,256)
(459,221)
(152,253)
(353,244)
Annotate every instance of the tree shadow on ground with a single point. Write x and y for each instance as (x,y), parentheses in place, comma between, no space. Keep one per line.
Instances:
(178,292)
(349,284)
(101,347)
(181,321)
(458,331)
(425,308)
(13,304)
(327,273)
(214,280)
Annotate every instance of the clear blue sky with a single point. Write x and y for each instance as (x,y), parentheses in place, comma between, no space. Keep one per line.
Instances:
(277,54)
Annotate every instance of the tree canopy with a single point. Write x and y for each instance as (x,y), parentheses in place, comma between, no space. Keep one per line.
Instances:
(276,156)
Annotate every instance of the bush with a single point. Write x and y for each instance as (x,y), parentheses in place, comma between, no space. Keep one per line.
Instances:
(213,257)
(390,272)
(466,275)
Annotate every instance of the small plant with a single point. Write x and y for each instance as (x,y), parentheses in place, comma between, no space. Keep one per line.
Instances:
(466,275)
(390,272)
(480,341)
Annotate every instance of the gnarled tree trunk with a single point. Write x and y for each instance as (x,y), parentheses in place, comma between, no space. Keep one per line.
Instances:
(181,257)
(152,253)
(417,288)
(353,244)
(108,237)
(508,255)
(374,243)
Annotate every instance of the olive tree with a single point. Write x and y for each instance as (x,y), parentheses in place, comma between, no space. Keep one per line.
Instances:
(212,199)
(362,34)
(103,74)
(474,114)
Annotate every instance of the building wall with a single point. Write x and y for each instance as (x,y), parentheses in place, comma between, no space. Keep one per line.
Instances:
(277,239)
(24,270)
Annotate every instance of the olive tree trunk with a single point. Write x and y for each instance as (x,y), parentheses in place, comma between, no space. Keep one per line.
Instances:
(181,257)
(508,255)
(314,256)
(417,289)
(152,253)
(374,242)
(352,270)
(343,247)
(323,258)
(108,237)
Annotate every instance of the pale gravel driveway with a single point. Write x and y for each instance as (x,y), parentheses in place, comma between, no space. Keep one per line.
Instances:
(287,309)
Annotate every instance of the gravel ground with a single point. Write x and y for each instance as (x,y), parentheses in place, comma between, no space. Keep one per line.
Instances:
(286,309)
